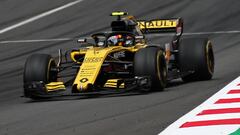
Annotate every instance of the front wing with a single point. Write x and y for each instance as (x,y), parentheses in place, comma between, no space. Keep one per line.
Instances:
(39,90)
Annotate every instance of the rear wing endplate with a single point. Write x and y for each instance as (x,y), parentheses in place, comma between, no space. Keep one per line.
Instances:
(161,25)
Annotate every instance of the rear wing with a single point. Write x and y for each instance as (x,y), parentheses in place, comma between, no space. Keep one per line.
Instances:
(161,25)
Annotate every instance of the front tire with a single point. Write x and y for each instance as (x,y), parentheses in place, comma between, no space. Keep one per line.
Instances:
(151,62)
(38,68)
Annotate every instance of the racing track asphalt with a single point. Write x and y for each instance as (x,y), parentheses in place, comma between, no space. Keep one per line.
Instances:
(130,115)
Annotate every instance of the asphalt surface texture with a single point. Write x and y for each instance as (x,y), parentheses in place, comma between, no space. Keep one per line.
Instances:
(146,114)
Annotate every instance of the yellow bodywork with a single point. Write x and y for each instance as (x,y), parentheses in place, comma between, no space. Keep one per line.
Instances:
(93,60)
(55,86)
(113,83)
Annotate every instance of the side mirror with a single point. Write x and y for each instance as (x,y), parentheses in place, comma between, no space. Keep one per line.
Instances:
(82,40)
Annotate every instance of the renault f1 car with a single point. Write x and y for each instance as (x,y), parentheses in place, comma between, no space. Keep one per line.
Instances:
(121,60)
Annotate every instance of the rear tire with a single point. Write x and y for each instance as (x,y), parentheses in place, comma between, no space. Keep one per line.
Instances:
(38,69)
(151,62)
(196,59)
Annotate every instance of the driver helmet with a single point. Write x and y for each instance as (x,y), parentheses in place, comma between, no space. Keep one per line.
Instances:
(116,40)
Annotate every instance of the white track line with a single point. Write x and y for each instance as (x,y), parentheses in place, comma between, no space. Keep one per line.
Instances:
(216,32)
(39,16)
(198,33)
(152,35)
(36,40)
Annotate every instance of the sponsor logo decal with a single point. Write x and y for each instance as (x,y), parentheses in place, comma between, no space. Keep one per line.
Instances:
(119,54)
(83,80)
(157,24)
(93,59)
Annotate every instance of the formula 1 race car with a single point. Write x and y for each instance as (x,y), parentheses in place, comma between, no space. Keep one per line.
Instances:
(120,61)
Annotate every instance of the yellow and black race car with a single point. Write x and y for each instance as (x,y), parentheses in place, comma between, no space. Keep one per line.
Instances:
(120,61)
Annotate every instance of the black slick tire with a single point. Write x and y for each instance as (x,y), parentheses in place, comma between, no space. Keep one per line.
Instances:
(151,62)
(196,59)
(38,69)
